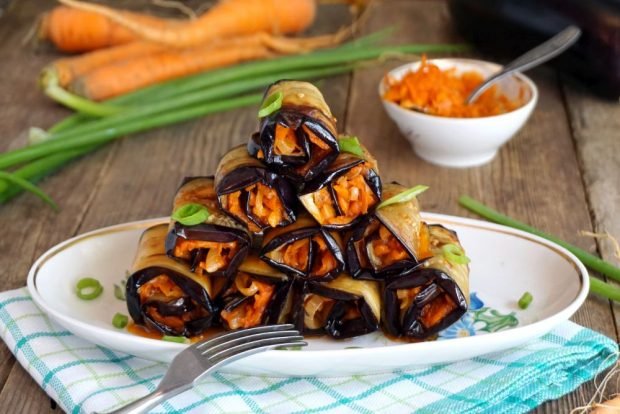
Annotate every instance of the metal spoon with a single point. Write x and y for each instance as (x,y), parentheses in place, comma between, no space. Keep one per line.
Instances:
(540,54)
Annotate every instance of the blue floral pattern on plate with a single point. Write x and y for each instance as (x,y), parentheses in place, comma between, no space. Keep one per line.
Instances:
(479,319)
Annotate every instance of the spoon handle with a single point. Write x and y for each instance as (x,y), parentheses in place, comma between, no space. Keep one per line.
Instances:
(534,57)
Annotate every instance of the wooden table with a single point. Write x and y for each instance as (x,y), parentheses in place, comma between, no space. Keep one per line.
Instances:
(560,173)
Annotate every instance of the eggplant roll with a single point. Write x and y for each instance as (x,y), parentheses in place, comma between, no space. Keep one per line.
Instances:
(299,140)
(390,241)
(252,195)
(341,308)
(215,247)
(164,295)
(258,294)
(432,296)
(304,249)
(346,191)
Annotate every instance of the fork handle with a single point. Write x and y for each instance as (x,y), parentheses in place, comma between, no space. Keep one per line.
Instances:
(142,405)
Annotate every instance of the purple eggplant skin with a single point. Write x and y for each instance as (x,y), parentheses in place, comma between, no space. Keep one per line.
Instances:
(355,268)
(299,234)
(506,28)
(214,233)
(340,167)
(196,296)
(276,312)
(410,327)
(302,106)
(237,170)
(335,326)
(293,168)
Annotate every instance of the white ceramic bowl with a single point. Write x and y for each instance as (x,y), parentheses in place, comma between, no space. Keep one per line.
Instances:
(462,142)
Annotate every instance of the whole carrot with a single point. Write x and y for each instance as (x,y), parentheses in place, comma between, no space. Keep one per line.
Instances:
(119,78)
(67,69)
(75,30)
(225,19)
(105,81)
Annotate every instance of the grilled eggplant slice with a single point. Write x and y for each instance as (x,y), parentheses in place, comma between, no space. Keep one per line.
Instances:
(299,140)
(345,192)
(215,247)
(304,249)
(341,308)
(432,296)
(259,294)
(258,198)
(390,241)
(164,295)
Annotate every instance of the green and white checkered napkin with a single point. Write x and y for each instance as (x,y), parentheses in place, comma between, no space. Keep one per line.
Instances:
(83,377)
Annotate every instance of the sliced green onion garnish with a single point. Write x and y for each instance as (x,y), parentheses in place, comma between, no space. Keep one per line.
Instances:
(271,104)
(119,292)
(292,348)
(88,288)
(351,145)
(119,320)
(525,300)
(405,196)
(191,214)
(177,339)
(454,254)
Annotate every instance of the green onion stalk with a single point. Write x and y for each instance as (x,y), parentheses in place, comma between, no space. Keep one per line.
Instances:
(589,260)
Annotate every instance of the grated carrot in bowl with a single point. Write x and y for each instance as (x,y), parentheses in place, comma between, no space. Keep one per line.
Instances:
(443,93)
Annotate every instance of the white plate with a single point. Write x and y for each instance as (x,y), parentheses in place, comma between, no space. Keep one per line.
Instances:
(505,264)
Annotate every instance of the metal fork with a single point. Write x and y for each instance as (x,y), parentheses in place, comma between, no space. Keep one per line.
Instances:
(203,357)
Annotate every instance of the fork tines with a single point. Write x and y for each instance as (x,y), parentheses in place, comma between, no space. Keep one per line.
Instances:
(248,341)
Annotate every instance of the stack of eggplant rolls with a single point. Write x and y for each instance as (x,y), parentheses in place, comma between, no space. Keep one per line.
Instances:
(297,227)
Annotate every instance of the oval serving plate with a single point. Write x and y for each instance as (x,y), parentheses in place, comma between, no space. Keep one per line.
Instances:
(505,263)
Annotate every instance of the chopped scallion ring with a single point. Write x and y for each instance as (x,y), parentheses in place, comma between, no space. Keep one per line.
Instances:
(177,339)
(271,104)
(119,292)
(405,196)
(191,214)
(88,288)
(351,145)
(120,321)
(454,254)
(525,300)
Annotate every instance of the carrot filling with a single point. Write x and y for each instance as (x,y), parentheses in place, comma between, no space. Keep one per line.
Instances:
(162,289)
(385,249)
(424,243)
(315,140)
(432,312)
(316,310)
(353,196)
(323,260)
(232,203)
(304,253)
(218,256)
(264,204)
(297,254)
(352,312)
(285,142)
(250,312)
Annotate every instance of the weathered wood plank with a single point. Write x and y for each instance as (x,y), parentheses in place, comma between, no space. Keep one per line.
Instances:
(595,124)
(535,178)
(21,394)
(29,227)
